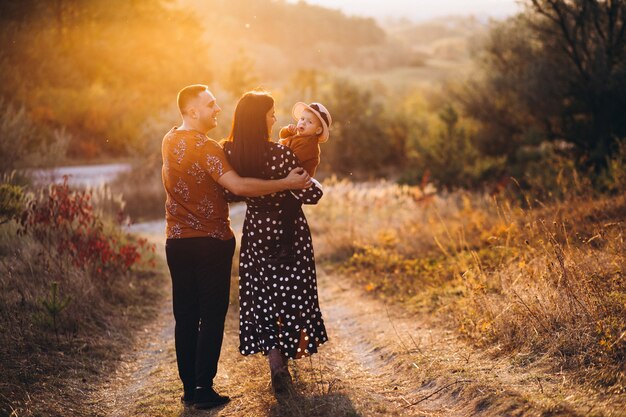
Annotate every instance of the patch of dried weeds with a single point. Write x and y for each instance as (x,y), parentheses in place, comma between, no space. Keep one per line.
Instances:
(545,281)
(63,330)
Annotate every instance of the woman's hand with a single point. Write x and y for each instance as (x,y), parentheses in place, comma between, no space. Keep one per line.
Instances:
(297,179)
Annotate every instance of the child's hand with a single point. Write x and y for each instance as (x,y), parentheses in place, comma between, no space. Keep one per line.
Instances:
(292,129)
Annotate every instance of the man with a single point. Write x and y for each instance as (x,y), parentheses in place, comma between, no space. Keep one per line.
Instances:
(200,242)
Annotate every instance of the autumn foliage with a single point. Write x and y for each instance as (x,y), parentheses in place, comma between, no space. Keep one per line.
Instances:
(70,230)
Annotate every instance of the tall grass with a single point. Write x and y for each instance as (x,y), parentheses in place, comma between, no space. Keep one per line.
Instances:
(546,280)
(71,282)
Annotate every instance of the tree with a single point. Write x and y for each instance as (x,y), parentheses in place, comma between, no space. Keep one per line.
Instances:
(95,69)
(555,73)
(241,76)
(445,154)
(305,83)
(358,141)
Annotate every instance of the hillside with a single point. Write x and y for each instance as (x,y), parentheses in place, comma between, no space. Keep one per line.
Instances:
(445,38)
(281,36)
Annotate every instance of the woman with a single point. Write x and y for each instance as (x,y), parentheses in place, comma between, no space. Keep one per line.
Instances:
(280,315)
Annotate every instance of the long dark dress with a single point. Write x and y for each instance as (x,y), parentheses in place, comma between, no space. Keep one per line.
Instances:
(279,304)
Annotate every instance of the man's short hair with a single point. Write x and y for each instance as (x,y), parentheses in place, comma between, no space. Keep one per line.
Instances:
(189,93)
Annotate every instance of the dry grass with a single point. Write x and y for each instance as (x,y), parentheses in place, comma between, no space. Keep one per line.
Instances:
(48,364)
(541,282)
(142,190)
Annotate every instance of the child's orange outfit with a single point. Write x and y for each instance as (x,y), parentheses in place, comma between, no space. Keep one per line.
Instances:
(306,148)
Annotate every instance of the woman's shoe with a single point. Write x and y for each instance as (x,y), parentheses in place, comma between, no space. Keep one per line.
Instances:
(281,381)
(187,401)
(281,378)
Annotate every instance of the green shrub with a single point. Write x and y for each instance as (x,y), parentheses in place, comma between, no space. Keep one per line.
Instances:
(549,173)
(358,141)
(447,156)
(53,305)
(614,179)
(11,202)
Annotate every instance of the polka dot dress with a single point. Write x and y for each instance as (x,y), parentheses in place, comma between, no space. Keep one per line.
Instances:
(278,303)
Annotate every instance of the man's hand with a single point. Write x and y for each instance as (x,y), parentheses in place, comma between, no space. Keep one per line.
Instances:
(297,179)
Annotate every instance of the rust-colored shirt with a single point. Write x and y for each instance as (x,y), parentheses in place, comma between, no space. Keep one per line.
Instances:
(195,205)
(306,148)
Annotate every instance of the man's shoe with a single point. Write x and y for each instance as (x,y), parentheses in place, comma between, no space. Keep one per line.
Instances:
(206,398)
(187,400)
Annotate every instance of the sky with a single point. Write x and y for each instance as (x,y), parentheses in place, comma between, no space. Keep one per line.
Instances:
(419,10)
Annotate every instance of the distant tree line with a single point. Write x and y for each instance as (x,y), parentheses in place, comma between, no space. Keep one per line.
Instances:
(556,73)
(95,70)
(94,73)
(545,106)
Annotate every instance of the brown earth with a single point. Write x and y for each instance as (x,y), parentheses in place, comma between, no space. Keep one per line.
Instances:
(379,361)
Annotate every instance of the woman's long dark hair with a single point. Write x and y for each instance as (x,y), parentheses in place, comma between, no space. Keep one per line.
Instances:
(249,136)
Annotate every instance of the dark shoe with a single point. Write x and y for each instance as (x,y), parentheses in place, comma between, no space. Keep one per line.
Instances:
(187,400)
(284,255)
(281,381)
(206,398)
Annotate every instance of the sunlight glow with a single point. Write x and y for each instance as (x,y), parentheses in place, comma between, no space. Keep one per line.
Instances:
(420,10)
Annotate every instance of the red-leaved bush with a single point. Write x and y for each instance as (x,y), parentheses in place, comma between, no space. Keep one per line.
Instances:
(70,231)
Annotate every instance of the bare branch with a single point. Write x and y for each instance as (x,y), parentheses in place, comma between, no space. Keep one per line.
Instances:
(618,43)
(597,21)
(559,9)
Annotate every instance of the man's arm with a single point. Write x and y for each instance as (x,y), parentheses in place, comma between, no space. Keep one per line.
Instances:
(311,195)
(297,179)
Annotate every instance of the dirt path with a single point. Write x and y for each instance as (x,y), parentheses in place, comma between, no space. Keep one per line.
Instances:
(379,361)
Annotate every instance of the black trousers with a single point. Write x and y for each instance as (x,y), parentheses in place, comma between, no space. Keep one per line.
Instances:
(200,269)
